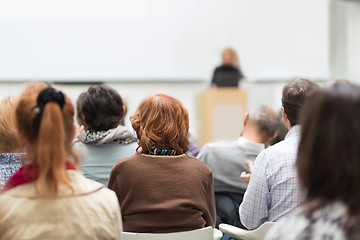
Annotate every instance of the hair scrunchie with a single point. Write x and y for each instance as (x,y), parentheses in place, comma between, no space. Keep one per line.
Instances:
(46,95)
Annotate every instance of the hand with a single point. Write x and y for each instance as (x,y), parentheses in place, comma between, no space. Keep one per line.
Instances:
(79,129)
(246,176)
(213,87)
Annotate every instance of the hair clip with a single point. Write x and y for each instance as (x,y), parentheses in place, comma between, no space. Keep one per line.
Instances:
(36,109)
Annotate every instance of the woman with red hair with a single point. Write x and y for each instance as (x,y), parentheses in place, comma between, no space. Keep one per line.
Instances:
(162,189)
(48,198)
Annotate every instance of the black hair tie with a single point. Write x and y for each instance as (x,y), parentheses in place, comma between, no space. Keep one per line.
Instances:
(47,95)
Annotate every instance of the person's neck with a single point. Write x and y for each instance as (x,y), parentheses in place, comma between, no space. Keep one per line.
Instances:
(287,124)
(252,136)
(289,127)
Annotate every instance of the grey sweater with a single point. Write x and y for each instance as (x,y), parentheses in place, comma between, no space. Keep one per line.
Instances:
(227,160)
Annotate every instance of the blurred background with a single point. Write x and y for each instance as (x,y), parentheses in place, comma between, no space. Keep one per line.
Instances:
(145,47)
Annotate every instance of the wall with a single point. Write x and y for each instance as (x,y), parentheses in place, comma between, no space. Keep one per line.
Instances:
(83,40)
(342,45)
(353,41)
(344,40)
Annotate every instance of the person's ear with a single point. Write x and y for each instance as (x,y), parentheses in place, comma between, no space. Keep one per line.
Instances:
(123,112)
(272,137)
(246,119)
(285,119)
(283,114)
(267,142)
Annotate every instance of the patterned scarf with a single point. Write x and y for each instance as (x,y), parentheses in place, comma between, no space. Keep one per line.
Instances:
(9,164)
(119,135)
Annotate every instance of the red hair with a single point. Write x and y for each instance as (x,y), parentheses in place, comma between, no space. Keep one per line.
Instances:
(50,145)
(162,122)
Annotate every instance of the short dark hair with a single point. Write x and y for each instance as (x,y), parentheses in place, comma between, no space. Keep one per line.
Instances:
(102,108)
(293,97)
(328,159)
(79,117)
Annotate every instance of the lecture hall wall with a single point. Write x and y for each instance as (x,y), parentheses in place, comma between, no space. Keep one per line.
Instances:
(344,56)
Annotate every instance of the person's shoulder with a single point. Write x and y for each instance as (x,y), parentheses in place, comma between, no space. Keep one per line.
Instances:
(123,161)
(111,196)
(81,184)
(89,186)
(196,163)
(126,159)
(220,150)
(279,147)
(218,68)
(208,147)
(271,153)
(92,190)
(218,146)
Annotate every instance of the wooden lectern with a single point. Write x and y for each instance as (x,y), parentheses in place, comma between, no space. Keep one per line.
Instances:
(220,114)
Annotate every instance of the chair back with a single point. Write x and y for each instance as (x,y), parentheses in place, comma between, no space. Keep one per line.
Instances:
(238,233)
(199,234)
(217,234)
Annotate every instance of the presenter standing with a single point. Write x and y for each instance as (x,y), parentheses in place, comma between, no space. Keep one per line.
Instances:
(229,73)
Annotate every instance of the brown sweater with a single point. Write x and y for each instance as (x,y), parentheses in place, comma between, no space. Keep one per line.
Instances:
(159,194)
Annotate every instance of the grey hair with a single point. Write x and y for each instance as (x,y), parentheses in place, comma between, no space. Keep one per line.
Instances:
(266,120)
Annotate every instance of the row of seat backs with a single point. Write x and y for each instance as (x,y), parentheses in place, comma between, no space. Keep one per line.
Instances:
(207,233)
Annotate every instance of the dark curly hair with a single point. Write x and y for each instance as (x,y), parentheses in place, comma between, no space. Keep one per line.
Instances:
(101,108)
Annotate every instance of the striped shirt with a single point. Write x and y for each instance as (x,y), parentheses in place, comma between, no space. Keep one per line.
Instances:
(274,189)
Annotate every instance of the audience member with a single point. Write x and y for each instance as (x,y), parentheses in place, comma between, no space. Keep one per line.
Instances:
(10,149)
(328,166)
(229,73)
(193,148)
(274,190)
(163,189)
(228,160)
(100,109)
(48,198)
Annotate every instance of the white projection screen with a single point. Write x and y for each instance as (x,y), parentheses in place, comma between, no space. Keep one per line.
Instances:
(161,40)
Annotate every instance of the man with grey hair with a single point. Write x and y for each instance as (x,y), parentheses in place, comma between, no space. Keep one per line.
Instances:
(228,160)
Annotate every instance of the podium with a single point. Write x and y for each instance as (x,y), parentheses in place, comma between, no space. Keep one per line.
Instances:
(220,114)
